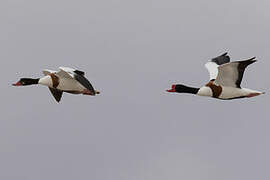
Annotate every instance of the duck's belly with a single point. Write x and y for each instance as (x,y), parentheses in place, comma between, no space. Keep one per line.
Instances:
(70,85)
(231,92)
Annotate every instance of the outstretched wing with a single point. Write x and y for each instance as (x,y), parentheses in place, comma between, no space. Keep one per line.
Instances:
(213,65)
(77,75)
(57,94)
(47,72)
(69,72)
(65,72)
(231,74)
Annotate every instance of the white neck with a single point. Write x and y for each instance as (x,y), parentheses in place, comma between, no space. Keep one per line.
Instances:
(46,81)
(205,91)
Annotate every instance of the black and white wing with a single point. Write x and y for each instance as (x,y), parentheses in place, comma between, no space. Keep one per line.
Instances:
(231,74)
(212,66)
(226,73)
(84,82)
(77,75)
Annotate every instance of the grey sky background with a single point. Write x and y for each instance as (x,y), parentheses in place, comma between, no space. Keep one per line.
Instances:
(132,51)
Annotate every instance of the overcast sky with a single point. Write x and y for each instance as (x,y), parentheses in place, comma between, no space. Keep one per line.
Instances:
(132,51)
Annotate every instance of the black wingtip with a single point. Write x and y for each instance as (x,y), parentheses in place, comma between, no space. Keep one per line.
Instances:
(225,54)
(79,72)
(222,59)
(253,58)
(57,99)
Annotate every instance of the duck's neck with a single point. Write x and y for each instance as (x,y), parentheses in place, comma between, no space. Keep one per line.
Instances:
(35,81)
(30,81)
(186,89)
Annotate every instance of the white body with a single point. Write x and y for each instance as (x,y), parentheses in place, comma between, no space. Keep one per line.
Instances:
(231,92)
(205,91)
(227,92)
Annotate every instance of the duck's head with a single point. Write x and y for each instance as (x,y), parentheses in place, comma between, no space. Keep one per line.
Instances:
(177,88)
(26,82)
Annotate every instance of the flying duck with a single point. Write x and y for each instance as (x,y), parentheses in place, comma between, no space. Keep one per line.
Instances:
(225,80)
(65,80)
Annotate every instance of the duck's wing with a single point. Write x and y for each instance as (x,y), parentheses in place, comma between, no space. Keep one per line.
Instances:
(83,81)
(212,66)
(57,94)
(231,74)
(212,69)
(65,72)
(77,75)
(69,72)
(47,72)
(222,59)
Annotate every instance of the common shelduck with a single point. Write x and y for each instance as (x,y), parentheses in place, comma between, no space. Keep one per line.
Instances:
(225,80)
(65,80)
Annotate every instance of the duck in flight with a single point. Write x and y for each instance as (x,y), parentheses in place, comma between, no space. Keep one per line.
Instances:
(65,80)
(225,80)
